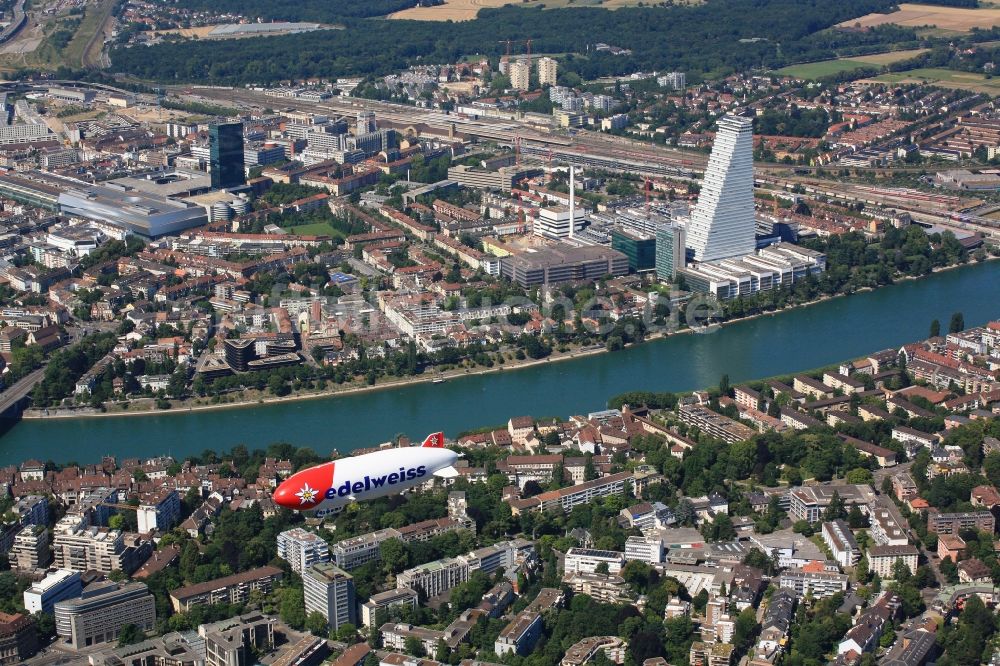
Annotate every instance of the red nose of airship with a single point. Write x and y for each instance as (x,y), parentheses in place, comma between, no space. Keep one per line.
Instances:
(306,489)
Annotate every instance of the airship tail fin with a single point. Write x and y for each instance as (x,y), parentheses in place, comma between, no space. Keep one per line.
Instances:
(434,440)
(448,472)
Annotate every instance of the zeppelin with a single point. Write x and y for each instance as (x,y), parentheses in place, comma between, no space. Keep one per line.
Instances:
(333,485)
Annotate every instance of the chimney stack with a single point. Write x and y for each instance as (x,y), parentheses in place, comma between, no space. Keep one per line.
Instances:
(572,200)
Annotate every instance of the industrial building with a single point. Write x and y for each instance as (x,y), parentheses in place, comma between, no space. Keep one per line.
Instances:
(563,263)
(773,267)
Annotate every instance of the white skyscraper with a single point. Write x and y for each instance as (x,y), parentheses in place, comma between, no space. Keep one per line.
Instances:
(722,222)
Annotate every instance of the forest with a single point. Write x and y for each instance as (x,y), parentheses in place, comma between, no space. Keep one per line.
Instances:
(715,37)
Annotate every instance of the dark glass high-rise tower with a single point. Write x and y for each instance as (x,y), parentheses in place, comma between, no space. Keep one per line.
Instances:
(226,154)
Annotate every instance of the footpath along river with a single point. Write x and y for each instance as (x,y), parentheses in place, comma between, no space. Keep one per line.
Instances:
(791,341)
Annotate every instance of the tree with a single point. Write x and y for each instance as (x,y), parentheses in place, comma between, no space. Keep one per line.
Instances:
(395,556)
(413,646)
(957,323)
(935,328)
(316,624)
(724,387)
(130,634)
(347,633)
(835,510)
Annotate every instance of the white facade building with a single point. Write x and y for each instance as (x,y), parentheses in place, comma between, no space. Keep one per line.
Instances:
(301,549)
(722,223)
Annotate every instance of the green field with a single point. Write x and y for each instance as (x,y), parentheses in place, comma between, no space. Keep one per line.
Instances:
(314,229)
(816,70)
(946,78)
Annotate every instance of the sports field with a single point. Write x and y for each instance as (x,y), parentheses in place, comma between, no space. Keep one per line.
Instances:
(315,229)
(954,19)
(816,70)
(945,78)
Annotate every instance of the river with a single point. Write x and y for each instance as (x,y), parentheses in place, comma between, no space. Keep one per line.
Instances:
(794,340)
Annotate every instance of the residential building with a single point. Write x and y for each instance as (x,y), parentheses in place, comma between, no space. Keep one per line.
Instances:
(581,493)
(395,636)
(302,548)
(953,523)
(18,638)
(158,511)
(100,612)
(520,636)
(30,551)
(435,577)
(228,590)
(816,583)
(226,155)
(710,654)
(587,560)
(882,559)
(58,585)
(606,588)
(885,527)
(82,548)
(722,222)
(329,590)
(809,502)
(236,641)
(547,71)
(840,540)
(520,75)
(384,601)
(951,546)
(715,424)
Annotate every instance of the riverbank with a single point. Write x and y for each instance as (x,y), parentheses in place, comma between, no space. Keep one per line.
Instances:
(802,338)
(186,407)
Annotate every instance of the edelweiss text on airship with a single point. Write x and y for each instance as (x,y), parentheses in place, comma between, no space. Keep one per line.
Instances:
(335,484)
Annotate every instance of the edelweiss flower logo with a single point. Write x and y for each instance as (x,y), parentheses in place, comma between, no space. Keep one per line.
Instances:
(307,495)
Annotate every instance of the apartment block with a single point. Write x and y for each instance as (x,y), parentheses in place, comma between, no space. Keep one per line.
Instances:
(158,511)
(582,493)
(383,601)
(236,641)
(953,523)
(816,583)
(587,560)
(886,529)
(882,559)
(99,614)
(83,548)
(228,590)
(715,424)
(520,636)
(435,577)
(809,502)
(329,590)
(301,549)
(840,540)
(30,551)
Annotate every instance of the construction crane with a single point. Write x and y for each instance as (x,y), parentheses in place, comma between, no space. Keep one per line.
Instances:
(119,506)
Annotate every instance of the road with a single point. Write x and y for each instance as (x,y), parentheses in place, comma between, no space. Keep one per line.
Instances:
(20,390)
